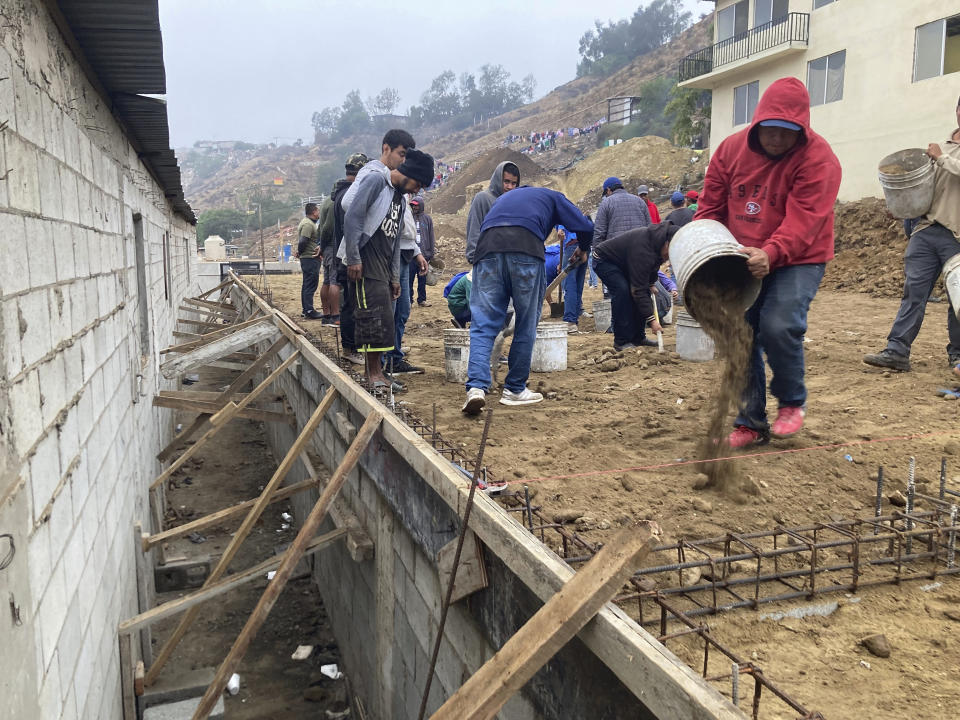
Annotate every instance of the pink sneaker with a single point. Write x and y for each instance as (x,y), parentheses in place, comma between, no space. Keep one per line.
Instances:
(743,437)
(789,421)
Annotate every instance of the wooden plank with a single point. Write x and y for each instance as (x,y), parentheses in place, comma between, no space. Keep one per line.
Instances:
(209,304)
(551,627)
(667,686)
(221,287)
(208,592)
(144,593)
(128,700)
(246,526)
(215,335)
(471,572)
(290,559)
(222,309)
(224,365)
(138,675)
(214,396)
(221,312)
(209,408)
(202,324)
(359,544)
(218,517)
(222,399)
(215,350)
(222,417)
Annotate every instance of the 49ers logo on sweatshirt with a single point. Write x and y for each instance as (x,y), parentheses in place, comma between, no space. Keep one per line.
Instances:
(752,208)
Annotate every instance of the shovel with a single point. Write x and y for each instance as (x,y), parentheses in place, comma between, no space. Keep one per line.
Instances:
(559,278)
(656,316)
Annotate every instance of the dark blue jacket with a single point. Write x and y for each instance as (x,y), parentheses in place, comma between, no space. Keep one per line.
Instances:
(539,210)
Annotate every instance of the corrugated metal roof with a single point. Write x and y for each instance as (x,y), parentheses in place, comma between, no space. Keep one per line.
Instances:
(122,43)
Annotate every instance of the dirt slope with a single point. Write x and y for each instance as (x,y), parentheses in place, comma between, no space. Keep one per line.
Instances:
(452,196)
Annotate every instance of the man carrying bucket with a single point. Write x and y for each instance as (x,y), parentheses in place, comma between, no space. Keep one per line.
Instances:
(774,186)
(933,241)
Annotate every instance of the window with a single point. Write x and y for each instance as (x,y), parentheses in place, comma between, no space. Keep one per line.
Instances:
(825,78)
(820,3)
(745,102)
(769,10)
(938,49)
(732,20)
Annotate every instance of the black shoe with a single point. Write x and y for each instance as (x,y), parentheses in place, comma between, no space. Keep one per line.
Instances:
(887,358)
(402,367)
(312,315)
(647,342)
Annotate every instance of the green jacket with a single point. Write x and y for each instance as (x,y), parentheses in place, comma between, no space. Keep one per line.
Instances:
(307,238)
(459,298)
(325,227)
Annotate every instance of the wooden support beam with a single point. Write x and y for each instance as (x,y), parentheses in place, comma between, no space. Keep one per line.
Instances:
(210,408)
(551,627)
(222,417)
(201,340)
(209,304)
(173,607)
(246,526)
(203,324)
(222,286)
(224,365)
(215,350)
(220,516)
(358,542)
(290,559)
(223,310)
(214,396)
(128,700)
(222,399)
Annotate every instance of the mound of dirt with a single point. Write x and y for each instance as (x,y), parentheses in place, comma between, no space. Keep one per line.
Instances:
(869,245)
(650,160)
(453,196)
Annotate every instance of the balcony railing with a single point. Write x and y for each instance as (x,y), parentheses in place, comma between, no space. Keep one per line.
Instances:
(790,28)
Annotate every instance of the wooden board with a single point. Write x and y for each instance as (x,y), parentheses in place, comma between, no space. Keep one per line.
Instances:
(210,408)
(237,340)
(471,572)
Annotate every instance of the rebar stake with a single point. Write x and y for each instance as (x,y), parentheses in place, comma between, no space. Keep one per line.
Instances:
(735,684)
(878,511)
(951,548)
(943,477)
(911,493)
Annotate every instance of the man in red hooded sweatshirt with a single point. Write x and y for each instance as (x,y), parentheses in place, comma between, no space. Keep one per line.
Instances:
(774,186)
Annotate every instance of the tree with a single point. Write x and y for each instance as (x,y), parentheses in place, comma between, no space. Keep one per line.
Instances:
(325,123)
(354,118)
(385,102)
(219,221)
(691,112)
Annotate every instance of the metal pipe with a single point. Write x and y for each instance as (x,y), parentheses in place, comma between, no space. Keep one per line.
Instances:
(878,511)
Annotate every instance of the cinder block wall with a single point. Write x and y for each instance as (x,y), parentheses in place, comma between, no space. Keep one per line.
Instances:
(78,368)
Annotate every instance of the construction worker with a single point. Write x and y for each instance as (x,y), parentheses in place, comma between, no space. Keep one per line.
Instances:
(308,252)
(643,192)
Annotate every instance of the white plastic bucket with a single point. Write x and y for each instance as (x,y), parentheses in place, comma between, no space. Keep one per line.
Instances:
(550,348)
(704,251)
(692,342)
(907,183)
(456,353)
(601,315)
(951,278)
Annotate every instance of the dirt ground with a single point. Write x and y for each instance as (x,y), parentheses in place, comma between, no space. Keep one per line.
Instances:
(232,469)
(611,413)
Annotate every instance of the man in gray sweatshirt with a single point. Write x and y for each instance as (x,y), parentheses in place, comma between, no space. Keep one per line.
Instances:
(505,177)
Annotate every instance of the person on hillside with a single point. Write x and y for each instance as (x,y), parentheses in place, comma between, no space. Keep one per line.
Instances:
(457,293)
(933,241)
(506,177)
(774,186)
(692,198)
(373,225)
(329,239)
(573,282)
(509,264)
(628,265)
(619,211)
(309,253)
(427,243)
(353,166)
(643,192)
(679,215)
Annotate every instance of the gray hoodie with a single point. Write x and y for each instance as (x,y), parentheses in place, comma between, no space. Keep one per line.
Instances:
(481,205)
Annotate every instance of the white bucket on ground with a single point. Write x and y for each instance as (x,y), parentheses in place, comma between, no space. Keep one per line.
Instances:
(908,182)
(601,315)
(456,353)
(704,251)
(951,279)
(550,347)
(693,343)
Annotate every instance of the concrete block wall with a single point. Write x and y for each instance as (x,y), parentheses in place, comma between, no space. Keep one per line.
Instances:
(77,370)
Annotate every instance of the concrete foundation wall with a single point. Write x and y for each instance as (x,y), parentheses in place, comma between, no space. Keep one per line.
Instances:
(385,610)
(78,368)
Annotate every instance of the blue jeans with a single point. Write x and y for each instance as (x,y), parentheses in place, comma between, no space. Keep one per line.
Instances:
(572,286)
(497,278)
(401,313)
(311,279)
(779,321)
(621,301)
(592,277)
(421,283)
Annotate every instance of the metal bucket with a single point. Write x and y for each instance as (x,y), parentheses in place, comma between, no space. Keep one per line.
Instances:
(907,180)
(704,251)
(951,278)
(456,353)
(550,348)
(693,343)
(601,315)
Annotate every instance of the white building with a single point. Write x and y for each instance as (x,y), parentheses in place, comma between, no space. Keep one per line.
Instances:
(882,74)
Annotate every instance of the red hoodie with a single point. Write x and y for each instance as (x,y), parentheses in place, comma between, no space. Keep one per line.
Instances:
(782,205)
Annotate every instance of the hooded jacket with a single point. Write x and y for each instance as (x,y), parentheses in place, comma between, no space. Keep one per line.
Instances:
(482,202)
(782,205)
(365,205)
(423,224)
(327,222)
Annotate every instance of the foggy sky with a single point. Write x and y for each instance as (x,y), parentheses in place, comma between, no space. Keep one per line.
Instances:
(256,71)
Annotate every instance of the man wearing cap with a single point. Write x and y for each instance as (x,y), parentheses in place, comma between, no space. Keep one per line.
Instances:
(933,241)
(680,215)
(643,192)
(373,225)
(774,186)
(619,211)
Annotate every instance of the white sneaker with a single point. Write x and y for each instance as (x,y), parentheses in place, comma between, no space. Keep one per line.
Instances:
(527,397)
(572,328)
(354,357)
(476,399)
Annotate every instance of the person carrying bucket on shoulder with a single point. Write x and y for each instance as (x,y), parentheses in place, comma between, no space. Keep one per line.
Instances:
(774,186)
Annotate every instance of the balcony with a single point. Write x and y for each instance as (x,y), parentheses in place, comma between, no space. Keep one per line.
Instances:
(791,31)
